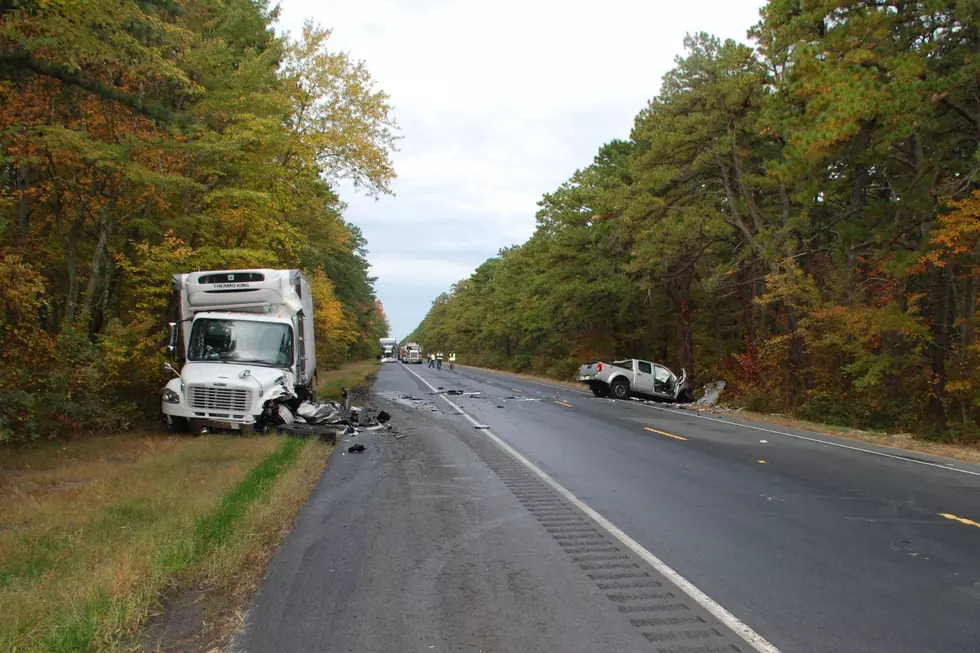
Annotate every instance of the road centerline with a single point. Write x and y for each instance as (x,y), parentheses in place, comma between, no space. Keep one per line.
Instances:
(665,433)
(968,522)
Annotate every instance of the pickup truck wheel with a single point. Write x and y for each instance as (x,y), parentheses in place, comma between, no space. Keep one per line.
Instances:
(600,390)
(686,396)
(620,389)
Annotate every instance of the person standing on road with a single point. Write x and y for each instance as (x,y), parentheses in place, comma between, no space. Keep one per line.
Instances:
(452,362)
(432,359)
(439,361)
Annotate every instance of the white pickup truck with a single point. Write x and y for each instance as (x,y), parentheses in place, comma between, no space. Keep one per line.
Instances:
(635,378)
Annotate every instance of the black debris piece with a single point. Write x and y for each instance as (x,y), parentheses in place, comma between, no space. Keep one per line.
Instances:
(499,406)
(454,392)
(383,417)
(355,448)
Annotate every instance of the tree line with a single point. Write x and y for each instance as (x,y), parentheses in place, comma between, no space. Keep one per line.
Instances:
(139,138)
(799,217)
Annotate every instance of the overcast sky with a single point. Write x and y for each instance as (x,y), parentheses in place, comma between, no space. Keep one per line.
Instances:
(498,103)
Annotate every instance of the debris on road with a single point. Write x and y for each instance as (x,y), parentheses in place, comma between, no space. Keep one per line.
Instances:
(712,392)
(355,448)
(480,426)
(383,417)
(454,392)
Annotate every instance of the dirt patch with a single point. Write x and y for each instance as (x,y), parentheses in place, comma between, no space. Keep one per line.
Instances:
(121,459)
(179,626)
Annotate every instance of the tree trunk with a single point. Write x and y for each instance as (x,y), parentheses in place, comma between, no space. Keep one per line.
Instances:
(679,290)
(942,318)
(969,311)
(23,202)
(98,265)
(798,359)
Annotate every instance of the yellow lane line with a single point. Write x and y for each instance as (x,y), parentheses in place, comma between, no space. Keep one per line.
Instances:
(762,462)
(562,403)
(516,390)
(968,522)
(669,435)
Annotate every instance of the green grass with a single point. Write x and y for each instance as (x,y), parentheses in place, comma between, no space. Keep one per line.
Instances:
(78,628)
(349,375)
(90,535)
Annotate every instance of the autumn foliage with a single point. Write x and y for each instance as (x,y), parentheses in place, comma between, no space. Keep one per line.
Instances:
(800,217)
(142,139)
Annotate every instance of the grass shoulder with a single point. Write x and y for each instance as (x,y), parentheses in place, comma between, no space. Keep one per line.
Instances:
(95,531)
(356,374)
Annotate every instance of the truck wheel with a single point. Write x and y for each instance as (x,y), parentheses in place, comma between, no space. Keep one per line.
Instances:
(620,389)
(246,430)
(686,396)
(600,390)
(177,424)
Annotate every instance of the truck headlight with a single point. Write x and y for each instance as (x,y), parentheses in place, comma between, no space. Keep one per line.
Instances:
(170,396)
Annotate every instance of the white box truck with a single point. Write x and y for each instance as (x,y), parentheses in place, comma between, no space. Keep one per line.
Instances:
(389,349)
(244,341)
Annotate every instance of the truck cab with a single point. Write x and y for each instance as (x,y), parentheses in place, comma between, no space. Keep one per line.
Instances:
(245,344)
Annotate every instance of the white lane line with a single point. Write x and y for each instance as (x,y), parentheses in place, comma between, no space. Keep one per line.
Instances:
(523,380)
(817,440)
(754,639)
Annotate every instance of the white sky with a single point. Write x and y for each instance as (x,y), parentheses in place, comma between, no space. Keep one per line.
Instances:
(498,102)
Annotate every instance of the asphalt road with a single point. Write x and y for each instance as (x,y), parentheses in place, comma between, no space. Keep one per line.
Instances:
(815,543)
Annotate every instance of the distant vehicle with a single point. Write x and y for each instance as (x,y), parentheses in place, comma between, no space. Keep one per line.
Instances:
(635,378)
(388,348)
(412,353)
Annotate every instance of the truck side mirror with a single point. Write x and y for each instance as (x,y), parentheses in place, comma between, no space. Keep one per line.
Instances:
(167,367)
(172,341)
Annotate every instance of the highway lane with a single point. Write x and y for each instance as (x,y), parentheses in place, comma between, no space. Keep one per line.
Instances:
(435,539)
(816,546)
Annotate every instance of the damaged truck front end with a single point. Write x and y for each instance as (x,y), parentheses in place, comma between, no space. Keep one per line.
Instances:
(245,343)
(228,396)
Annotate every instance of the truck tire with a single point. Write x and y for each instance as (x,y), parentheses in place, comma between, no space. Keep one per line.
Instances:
(686,396)
(600,389)
(177,424)
(620,389)
(246,430)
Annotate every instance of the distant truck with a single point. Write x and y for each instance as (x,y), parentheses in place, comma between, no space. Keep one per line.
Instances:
(635,378)
(412,353)
(244,341)
(388,347)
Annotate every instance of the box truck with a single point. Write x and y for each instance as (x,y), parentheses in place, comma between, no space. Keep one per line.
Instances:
(245,349)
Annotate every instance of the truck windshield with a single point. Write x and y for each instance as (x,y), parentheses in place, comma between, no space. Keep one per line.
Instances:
(241,341)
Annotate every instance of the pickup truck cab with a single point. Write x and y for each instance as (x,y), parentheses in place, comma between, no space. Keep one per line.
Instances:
(635,378)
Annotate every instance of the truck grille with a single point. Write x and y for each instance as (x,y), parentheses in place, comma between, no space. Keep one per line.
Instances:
(205,397)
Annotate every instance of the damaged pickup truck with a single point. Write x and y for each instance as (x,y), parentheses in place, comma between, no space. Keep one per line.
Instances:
(244,340)
(635,378)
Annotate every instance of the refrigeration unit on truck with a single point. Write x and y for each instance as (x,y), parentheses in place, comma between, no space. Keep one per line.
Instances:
(388,347)
(244,341)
